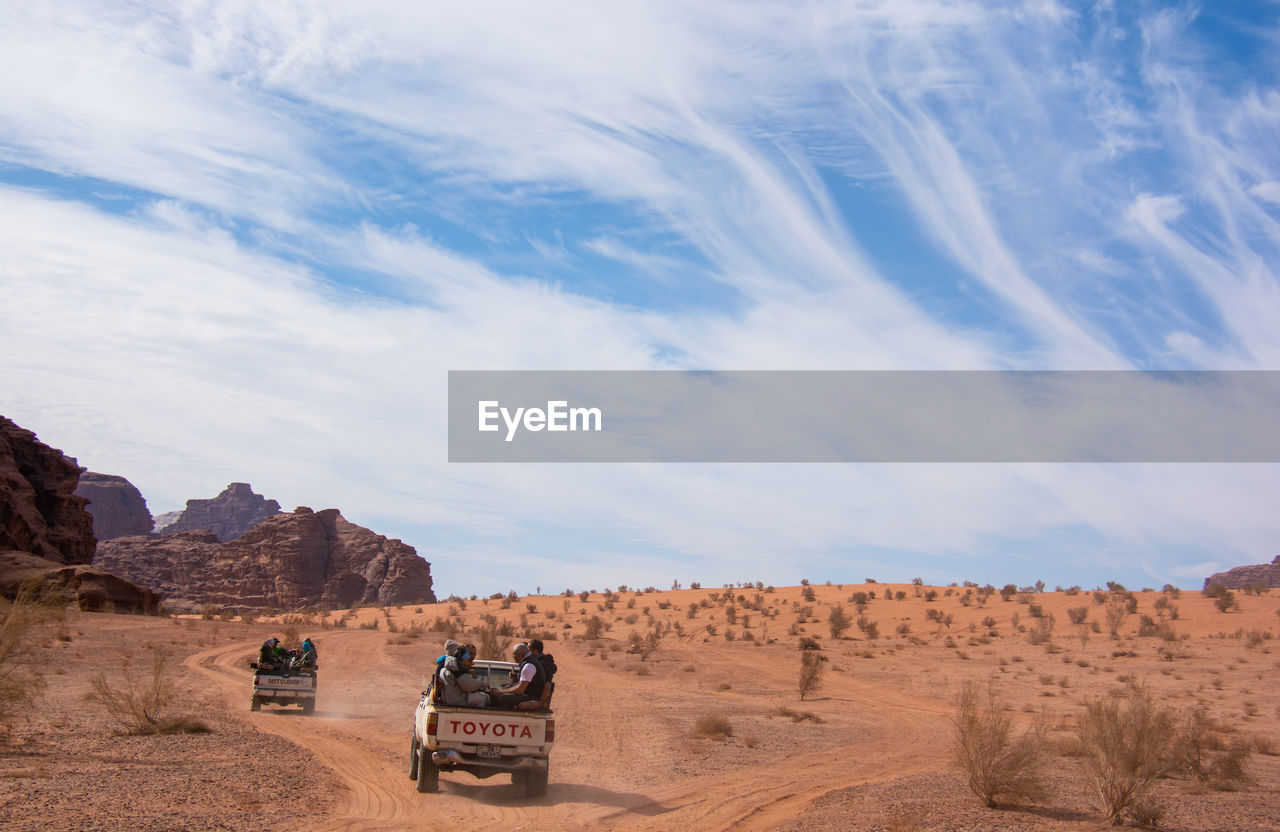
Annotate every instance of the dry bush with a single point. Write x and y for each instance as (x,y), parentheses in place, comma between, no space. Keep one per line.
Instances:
(812,666)
(712,727)
(25,624)
(1001,767)
(1265,745)
(1117,612)
(139,703)
(797,716)
(1126,745)
(489,641)
(594,627)
(838,622)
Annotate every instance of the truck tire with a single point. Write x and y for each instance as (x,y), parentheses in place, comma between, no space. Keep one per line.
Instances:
(309,707)
(535,784)
(518,778)
(254,704)
(428,774)
(413,758)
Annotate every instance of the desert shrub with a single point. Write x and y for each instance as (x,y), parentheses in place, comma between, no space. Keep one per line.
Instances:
(869,628)
(807,593)
(797,716)
(1000,766)
(1201,750)
(1126,744)
(812,666)
(712,727)
(1042,632)
(1226,602)
(1117,612)
(24,627)
(491,642)
(594,627)
(838,622)
(139,702)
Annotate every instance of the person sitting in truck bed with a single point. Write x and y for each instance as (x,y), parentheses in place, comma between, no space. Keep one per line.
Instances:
(460,687)
(309,655)
(267,654)
(530,684)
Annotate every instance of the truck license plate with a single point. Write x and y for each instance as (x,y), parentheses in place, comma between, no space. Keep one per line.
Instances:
(488,751)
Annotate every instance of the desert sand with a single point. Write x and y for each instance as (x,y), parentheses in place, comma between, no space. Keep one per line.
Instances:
(871,749)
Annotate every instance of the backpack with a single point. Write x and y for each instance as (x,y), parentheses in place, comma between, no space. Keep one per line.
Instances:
(548,663)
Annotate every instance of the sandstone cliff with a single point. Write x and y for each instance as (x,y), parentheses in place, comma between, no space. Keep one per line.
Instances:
(229,515)
(46,535)
(39,510)
(1242,577)
(287,562)
(117,507)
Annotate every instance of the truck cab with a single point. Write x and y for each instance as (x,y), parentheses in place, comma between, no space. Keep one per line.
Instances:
(481,741)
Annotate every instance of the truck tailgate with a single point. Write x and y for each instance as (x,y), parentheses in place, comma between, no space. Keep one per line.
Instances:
(497,728)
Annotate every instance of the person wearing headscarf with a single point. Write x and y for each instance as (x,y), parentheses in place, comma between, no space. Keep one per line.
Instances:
(461,687)
(267,654)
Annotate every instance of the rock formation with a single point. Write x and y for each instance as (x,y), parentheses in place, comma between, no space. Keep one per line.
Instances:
(229,515)
(117,507)
(165,520)
(1243,577)
(287,562)
(46,535)
(89,588)
(39,510)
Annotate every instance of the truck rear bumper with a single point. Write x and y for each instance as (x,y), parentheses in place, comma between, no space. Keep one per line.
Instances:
(448,758)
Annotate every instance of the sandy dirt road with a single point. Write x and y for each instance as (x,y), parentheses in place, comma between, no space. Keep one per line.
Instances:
(623,759)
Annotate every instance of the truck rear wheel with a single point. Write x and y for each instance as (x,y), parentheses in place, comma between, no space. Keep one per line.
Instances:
(413,758)
(535,783)
(309,707)
(428,774)
(254,704)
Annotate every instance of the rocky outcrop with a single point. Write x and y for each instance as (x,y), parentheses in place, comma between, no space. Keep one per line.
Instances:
(229,515)
(117,507)
(88,588)
(287,562)
(165,520)
(1243,577)
(46,535)
(39,510)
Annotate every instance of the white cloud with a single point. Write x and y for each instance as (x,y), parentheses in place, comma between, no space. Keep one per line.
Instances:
(184,345)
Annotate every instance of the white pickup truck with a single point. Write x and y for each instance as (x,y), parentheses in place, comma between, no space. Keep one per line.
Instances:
(284,687)
(482,741)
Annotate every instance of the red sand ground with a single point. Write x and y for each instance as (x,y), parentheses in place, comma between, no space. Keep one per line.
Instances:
(625,756)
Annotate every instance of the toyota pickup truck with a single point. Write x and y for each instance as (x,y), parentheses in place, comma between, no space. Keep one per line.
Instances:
(278,685)
(481,741)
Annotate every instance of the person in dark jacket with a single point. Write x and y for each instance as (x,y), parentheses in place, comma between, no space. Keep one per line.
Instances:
(267,654)
(528,688)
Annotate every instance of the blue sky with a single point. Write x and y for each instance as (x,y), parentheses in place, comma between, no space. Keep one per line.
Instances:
(247,242)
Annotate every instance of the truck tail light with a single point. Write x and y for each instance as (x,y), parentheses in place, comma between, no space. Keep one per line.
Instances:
(431,724)
(551,730)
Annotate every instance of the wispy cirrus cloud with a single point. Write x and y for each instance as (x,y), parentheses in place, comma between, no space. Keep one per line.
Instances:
(300,216)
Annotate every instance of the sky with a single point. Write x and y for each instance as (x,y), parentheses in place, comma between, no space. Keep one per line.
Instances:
(247,242)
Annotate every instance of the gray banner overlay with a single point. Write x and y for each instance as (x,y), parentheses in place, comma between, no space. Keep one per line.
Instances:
(891,416)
